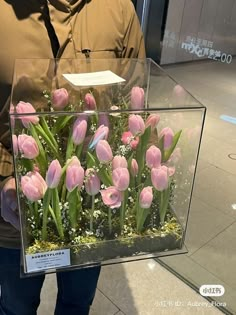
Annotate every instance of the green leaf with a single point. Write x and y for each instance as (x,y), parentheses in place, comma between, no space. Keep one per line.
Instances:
(141,151)
(102,173)
(57,210)
(74,205)
(168,152)
(60,124)
(46,203)
(48,131)
(70,146)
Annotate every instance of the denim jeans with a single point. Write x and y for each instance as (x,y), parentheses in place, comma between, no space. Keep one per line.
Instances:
(21,296)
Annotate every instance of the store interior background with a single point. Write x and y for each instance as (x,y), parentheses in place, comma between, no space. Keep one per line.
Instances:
(195,42)
(196,45)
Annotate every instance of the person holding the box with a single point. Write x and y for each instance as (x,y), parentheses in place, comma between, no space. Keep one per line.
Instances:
(52,29)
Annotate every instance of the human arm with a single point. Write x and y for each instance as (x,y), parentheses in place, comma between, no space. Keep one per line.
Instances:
(8,189)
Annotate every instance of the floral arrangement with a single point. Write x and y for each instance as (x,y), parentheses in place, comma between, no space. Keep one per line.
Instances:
(89,176)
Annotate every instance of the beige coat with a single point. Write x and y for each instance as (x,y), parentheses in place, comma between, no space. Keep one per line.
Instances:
(79,28)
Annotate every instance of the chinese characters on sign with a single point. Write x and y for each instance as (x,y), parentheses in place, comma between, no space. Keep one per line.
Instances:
(204,48)
(169,39)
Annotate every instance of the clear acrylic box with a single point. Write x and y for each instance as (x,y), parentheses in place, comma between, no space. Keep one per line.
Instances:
(105,154)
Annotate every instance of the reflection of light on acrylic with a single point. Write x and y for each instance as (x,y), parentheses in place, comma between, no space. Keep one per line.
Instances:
(151,265)
(233,206)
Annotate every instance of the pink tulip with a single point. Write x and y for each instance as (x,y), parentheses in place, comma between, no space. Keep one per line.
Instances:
(120,178)
(60,98)
(92,182)
(27,108)
(89,102)
(128,138)
(134,168)
(79,131)
(15,144)
(136,125)
(33,186)
(54,173)
(74,174)
(159,177)
(168,135)
(28,146)
(100,134)
(119,161)
(111,197)
(146,197)
(137,98)
(153,157)
(152,121)
(103,151)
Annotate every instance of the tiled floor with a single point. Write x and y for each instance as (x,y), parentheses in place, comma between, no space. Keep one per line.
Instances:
(137,288)
(146,288)
(212,225)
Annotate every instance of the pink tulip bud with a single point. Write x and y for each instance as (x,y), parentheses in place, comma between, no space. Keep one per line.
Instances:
(79,131)
(60,98)
(74,174)
(27,108)
(128,138)
(137,98)
(119,161)
(152,121)
(112,197)
(28,146)
(146,197)
(54,173)
(134,168)
(103,151)
(153,157)
(168,135)
(92,182)
(136,125)
(15,144)
(159,177)
(33,186)
(90,103)
(120,178)
(100,134)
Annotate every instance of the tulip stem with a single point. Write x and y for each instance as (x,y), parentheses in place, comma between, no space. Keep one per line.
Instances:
(109,220)
(164,204)
(70,146)
(46,202)
(91,213)
(79,150)
(57,211)
(122,211)
(36,213)
(74,204)
(141,218)
(144,140)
